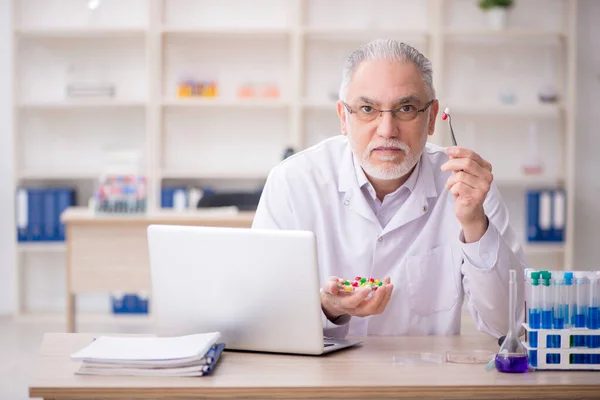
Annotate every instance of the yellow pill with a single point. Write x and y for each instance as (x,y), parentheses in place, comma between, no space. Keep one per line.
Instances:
(348,288)
(377,281)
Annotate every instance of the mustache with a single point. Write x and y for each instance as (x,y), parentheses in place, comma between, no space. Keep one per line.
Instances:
(389,143)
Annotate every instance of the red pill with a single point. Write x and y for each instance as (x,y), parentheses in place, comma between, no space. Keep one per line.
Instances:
(358,278)
(355,284)
(371,280)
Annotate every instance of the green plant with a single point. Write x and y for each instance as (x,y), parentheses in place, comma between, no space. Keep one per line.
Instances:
(487,4)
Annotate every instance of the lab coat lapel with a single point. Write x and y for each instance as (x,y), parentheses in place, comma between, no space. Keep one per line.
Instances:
(353,198)
(417,204)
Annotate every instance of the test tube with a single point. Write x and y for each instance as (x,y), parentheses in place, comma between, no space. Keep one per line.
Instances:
(569,298)
(581,306)
(536,298)
(593,316)
(558,318)
(527,293)
(560,303)
(593,306)
(534,312)
(547,301)
(548,309)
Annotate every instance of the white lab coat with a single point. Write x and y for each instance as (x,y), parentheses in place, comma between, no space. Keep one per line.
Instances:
(421,248)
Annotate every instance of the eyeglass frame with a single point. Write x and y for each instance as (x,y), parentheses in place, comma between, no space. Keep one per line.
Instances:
(393,111)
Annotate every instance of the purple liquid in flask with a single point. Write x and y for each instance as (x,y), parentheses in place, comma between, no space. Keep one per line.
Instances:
(515,363)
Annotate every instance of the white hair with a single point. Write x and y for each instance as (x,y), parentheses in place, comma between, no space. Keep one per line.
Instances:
(392,50)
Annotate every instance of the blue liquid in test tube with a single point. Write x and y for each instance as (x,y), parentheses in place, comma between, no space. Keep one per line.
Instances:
(593,316)
(549,306)
(561,306)
(580,313)
(560,303)
(547,301)
(581,298)
(594,304)
(535,308)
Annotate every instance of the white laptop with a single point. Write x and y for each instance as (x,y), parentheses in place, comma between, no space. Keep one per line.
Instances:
(259,288)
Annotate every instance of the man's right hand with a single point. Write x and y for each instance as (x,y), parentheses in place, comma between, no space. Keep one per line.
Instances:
(336,303)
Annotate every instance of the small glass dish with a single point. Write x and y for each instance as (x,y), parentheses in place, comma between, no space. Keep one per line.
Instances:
(470,357)
(418,358)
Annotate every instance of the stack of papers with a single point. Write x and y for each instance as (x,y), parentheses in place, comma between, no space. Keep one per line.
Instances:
(192,355)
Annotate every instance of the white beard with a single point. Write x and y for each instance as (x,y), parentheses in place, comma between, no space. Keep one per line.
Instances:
(388,170)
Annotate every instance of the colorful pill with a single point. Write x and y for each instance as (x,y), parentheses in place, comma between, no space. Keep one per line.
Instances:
(357,278)
(346,283)
(348,288)
(371,280)
(355,284)
(377,281)
(380,283)
(363,280)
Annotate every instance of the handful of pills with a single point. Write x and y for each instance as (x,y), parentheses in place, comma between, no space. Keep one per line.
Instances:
(359,282)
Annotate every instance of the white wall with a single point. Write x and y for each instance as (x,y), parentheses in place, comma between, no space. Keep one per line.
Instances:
(7,241)
(587,211)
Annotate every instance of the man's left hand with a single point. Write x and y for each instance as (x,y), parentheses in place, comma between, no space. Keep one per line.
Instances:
(469,184)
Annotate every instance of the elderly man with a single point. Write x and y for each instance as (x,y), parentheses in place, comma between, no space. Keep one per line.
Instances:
(383,202)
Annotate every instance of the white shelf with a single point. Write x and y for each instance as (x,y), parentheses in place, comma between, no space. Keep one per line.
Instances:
(80,103)
(527,181)
(320,104)
(74,173)
(41,247)
(78,33)
(194,174)
(510,34)
(527,110)
(229,103)
(141,320)
(353,35)
(543,248)
(226,32)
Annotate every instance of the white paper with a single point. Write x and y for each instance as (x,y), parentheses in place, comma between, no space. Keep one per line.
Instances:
(124,349)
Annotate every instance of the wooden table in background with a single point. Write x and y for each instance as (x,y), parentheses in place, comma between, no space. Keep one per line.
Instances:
(110,253)
(366,371)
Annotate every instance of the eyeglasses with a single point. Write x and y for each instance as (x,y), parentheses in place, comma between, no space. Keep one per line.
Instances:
(407,112)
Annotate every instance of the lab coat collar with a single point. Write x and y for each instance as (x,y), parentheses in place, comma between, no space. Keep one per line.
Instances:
(426,179)
(417,204)
(347,177)
(348,184)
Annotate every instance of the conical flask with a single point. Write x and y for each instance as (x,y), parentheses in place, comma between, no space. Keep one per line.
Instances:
(512,356)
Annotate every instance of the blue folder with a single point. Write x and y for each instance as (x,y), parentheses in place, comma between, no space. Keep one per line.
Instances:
(212,357)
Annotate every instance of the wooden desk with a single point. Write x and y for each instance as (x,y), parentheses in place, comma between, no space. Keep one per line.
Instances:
(110,253)
(362,372)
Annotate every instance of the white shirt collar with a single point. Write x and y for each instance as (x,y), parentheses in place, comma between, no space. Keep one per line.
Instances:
(362,180)
(424,181)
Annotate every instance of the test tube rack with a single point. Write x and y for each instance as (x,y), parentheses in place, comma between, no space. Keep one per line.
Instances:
(554,350)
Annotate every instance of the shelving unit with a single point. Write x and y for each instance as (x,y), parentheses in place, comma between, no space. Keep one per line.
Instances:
(41,247)
(146,47)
